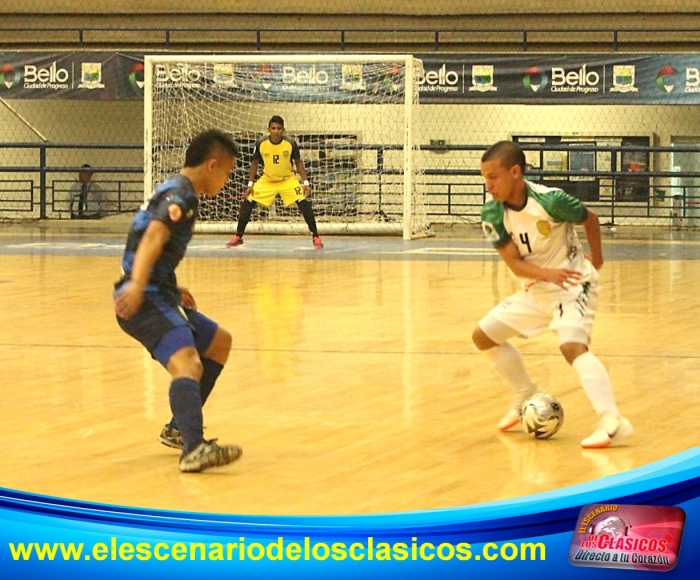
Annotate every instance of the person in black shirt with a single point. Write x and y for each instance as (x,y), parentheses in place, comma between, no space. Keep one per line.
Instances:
(152,308)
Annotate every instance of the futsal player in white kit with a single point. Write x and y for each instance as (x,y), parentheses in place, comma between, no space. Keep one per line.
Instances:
(532,228)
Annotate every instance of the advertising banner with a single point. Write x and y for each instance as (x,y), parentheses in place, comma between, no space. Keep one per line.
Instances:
(61,75)
(562,78)
(446,78)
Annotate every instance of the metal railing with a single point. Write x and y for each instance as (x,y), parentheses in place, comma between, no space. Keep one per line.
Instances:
(30,190)
(664,39)
(117,196)
(459,200)
(661,198)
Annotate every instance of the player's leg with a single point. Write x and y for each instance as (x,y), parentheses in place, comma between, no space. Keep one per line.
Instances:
(307,210)
(291,192)
(264,194)
(574,325)
(177,353)
(612,427)
(515,317)
(244,214)
(166,333)
(213,344)
(185,366)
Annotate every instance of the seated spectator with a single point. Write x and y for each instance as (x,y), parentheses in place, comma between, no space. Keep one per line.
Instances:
(87,198)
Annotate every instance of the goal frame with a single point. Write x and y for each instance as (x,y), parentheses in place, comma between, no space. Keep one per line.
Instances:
(409,147)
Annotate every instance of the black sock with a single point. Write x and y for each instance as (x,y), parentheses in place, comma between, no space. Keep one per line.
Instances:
(212,370)
(186,405)
(244,214)
(307,211)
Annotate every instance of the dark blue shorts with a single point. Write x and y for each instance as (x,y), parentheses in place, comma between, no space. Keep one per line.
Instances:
(164,328)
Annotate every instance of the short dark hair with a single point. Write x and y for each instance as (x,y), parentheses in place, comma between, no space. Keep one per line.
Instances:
(208,144)
(276,119)
(509,153)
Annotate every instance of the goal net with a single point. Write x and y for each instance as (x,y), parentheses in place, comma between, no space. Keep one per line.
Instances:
(351,115)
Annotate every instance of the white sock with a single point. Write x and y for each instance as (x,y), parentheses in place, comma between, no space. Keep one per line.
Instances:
(508,363)
(595,381)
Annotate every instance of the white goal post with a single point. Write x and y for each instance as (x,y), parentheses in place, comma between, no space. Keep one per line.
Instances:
(352,116)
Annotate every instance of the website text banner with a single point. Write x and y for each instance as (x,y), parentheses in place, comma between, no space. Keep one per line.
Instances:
(42,536)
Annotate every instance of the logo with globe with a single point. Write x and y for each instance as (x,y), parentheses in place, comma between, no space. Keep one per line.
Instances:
(612,526)
(632,537)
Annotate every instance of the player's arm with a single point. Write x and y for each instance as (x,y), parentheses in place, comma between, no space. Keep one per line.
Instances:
(130,297)
(591,226)
(301,170)
(252,174)
(523,269)
(300,167)
(186,298)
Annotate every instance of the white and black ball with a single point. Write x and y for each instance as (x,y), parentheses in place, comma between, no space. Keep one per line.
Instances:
(541,415)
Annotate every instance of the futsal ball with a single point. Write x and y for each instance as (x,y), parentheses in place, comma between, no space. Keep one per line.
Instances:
(541,415)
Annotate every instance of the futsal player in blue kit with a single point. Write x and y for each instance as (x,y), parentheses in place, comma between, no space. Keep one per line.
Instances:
(162,316)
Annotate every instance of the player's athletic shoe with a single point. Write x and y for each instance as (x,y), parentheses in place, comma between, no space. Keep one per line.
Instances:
(318,244)
(509,420)
(209,454)
(171,437)
(235,241)
(611,430)
(512,417)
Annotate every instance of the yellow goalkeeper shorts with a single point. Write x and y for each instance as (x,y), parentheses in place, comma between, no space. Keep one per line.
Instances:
(265,190)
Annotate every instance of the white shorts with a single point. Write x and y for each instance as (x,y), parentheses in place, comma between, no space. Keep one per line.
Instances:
(542,307)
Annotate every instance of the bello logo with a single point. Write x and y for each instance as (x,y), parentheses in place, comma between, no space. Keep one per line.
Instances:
(665,79)
(178,74)
(575,81)
(692,80)
(136,76)
(535,79)
(302,75)
(9,77)
(633,537)
(442,80)
(263,76)
(53,75)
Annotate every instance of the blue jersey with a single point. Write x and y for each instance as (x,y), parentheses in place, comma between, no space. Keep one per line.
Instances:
(176,191)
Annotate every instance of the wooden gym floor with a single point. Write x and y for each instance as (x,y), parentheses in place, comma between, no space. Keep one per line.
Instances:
(352,386)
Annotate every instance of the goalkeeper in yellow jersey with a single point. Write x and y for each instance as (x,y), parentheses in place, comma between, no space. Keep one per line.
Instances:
(279,156)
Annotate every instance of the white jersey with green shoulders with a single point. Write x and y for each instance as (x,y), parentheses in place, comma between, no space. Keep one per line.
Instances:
(543,230)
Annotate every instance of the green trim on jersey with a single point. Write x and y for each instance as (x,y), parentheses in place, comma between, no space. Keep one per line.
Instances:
(492,223)
(558,204)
